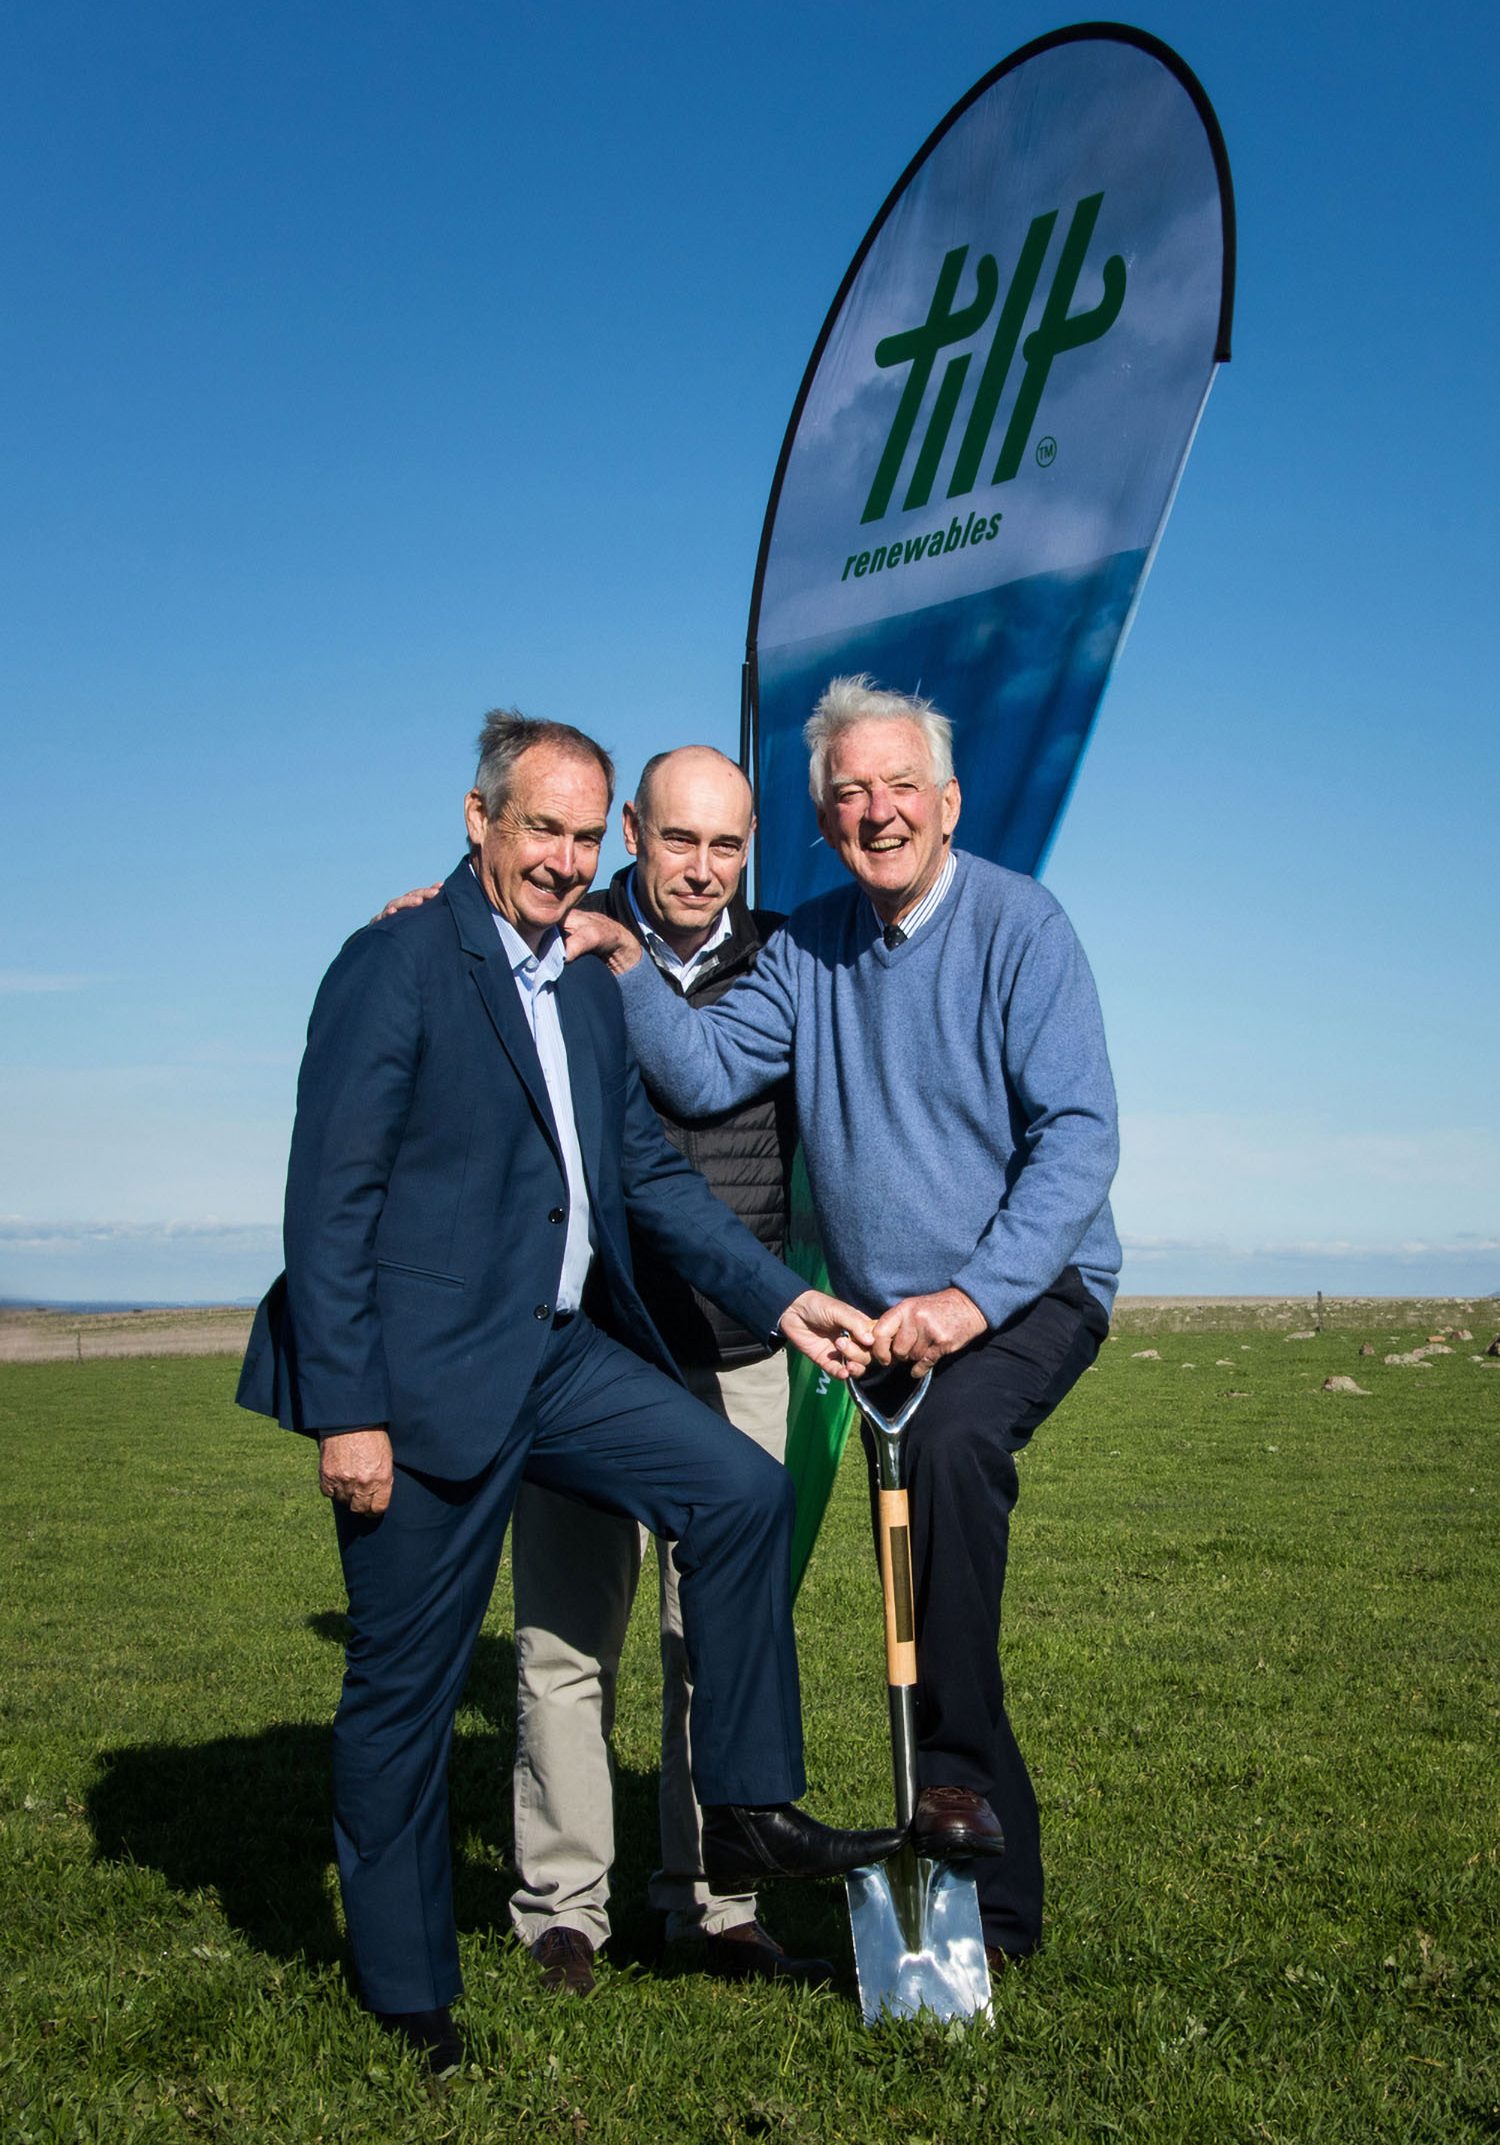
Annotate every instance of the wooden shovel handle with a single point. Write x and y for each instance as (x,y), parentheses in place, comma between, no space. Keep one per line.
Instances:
(896,1585)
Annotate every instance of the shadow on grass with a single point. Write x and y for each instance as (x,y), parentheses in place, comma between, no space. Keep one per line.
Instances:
(249,1819)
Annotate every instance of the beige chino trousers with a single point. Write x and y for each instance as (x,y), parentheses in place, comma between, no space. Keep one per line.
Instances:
(575,1573)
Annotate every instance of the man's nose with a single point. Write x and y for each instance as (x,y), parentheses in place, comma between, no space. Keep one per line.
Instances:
(698,867)
(880,804)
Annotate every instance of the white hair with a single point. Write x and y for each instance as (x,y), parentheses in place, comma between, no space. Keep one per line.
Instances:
(847,701)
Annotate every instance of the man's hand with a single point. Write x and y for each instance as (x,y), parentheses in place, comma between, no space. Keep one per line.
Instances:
(587,931)
(921,1330)
(831,1334)
(355,1468)
(413,900)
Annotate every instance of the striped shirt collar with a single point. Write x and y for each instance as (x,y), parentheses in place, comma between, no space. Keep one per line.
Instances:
(910,924)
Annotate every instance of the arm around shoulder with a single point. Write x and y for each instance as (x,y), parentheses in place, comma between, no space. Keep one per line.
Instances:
(701,1059)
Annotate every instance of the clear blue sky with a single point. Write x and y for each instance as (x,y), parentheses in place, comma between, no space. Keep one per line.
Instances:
(368,364)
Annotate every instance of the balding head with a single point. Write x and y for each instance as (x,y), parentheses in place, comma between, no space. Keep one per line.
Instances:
(688,828)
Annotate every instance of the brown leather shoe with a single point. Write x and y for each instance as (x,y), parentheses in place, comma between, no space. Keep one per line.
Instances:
(749,1953)
(999,1960)
(566,1958)
(955,1822)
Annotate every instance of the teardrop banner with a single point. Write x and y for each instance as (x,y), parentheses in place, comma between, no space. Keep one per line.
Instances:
(981,460)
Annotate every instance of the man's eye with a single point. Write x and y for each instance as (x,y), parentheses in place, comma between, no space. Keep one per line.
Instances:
(726,852)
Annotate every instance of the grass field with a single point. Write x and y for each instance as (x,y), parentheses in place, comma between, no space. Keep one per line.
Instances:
(1251,1641)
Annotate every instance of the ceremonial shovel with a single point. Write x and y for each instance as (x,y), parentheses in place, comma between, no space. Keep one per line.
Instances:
(918,1940)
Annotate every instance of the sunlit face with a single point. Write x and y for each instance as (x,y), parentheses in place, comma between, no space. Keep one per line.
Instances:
(890,822)
(689,845)
(536,857)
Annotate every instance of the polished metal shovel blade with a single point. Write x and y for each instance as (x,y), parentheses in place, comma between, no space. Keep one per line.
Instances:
(918,1941)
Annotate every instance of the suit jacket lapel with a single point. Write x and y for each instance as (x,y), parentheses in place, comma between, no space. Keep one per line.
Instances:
(497,988)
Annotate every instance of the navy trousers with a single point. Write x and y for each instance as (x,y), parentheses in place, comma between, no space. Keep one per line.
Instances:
(602,1425)
(958,1464)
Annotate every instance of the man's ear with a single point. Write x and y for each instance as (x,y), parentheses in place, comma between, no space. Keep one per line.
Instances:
(825,825)
(630,826)
(476,819)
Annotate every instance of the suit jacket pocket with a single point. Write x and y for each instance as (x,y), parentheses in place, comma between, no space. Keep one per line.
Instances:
(420,1273)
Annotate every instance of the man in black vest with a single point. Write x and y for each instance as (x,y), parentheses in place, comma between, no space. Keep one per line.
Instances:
(576,1568)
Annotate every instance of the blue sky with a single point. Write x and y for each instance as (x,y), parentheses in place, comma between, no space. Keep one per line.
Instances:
(371,364)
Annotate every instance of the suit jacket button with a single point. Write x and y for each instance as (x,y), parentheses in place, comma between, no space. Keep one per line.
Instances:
(543,1310)
(557,1214)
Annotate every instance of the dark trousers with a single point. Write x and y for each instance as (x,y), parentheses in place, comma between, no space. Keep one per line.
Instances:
(958,1464)
(601,1425)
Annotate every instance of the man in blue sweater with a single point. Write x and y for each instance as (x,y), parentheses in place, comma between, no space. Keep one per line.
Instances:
(954,1099)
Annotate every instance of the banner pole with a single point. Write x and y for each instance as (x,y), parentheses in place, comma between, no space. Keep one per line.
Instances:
(748,761)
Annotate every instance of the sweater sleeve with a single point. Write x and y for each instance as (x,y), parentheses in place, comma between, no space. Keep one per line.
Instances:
(1057,1071)
(700,1060)
(691,1230)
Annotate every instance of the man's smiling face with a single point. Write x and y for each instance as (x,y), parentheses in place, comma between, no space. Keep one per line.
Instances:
(536,857)
(883,812)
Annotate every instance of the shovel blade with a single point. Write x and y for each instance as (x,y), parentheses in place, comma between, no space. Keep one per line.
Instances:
(918,1939)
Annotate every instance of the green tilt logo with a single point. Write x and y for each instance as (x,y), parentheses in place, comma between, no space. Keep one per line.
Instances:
(1057,331)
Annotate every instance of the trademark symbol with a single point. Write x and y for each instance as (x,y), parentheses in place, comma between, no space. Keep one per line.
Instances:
(1046,452)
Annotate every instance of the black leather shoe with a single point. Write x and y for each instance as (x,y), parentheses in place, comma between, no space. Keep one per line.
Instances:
(745,1843)
(430,2034)
(954,1823)
(749,1953)
(566,1958)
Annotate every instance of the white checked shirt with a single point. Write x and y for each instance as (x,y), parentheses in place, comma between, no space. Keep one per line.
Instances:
(683,973)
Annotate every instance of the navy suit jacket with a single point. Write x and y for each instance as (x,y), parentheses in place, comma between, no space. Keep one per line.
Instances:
(426,1197)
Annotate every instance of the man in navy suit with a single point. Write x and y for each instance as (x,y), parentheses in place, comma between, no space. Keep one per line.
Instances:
(472,1145)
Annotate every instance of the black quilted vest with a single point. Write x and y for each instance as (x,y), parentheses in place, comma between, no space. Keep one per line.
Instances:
(745,1153)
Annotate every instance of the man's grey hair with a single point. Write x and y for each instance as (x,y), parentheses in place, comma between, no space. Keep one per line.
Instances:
(658,761)
(847,701)
(507,733)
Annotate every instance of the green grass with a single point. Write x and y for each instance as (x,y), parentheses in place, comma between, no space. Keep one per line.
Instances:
(1251,1639)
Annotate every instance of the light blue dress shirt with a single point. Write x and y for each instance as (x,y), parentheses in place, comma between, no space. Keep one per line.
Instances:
(536,977)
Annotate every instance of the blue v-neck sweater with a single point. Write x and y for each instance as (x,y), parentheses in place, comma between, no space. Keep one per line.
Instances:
(954,1095)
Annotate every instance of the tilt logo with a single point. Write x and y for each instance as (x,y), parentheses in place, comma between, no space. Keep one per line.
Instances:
(1058,330)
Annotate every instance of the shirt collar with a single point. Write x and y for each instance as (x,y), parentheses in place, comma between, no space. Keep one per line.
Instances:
(537,968)
(658,944)
(910,924)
